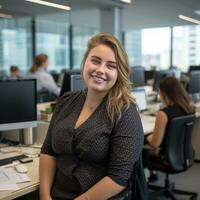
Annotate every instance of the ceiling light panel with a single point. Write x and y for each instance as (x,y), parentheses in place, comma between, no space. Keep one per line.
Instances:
(189,19)
(46,3)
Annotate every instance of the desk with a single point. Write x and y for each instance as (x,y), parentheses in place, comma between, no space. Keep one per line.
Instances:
(148,123)
(33,172)
(25,188)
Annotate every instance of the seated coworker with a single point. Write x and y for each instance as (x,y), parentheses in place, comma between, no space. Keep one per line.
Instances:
(177,104)
(45,81)
(14,73)
(96,135)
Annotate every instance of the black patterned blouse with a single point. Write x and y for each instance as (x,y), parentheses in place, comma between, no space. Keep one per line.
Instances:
(95,149)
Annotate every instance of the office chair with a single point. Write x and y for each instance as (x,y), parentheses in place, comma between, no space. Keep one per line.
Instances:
(137,188)
(179,155)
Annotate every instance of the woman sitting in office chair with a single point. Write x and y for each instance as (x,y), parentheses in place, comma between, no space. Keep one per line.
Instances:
(45,81)
(95,136)
(177,104)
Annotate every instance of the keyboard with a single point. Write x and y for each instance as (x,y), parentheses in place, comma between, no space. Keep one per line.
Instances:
(7,161)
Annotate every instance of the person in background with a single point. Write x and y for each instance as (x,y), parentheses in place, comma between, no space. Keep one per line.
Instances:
(14,72)
(95,136)
(45,81)
(177,103)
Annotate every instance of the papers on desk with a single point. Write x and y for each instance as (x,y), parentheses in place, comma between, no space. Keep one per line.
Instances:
(9,177)
(148,123)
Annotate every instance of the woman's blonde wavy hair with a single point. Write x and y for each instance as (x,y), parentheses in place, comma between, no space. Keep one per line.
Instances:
(119,95)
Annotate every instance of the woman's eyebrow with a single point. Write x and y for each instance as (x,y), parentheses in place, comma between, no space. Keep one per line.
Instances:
(101,59)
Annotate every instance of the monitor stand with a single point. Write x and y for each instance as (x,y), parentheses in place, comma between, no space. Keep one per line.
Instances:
(26,136)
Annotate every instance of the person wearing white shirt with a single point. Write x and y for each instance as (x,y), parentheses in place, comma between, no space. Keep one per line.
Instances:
(45,81)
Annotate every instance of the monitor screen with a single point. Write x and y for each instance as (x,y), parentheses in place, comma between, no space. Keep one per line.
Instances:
(194,86)
(159,75)
(71,83)
(137,76)
(77,83)
(140,96)
(194,68)
(17,104)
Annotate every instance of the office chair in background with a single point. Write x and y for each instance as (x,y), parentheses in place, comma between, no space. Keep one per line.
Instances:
(180,156)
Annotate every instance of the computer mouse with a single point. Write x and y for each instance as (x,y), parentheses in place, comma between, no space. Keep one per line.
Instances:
(21,168)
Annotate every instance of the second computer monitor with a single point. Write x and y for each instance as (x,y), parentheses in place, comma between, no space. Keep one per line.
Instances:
(158,76)
(72,81)
(140,96)
(137,76)
(194,82)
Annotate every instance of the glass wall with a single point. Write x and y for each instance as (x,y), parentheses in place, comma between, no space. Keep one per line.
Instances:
(52,38)
(133,45)
(81,34)
(186,48)
(149,47)
(15,44)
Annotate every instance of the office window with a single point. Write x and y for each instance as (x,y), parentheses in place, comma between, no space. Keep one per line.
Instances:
(133,46)
(81,34)
(149,47)
(52,38)
(15,44)
(156,47)
(186,48)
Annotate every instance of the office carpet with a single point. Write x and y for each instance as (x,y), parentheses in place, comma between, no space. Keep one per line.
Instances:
(189,180)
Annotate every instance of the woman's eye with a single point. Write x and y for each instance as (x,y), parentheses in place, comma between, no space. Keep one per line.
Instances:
(94,61)
(111,66)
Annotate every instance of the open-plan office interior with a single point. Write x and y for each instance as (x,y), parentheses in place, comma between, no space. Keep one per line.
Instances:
(161,38)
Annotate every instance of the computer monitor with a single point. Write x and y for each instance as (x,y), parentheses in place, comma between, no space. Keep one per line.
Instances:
(194,68)
(77,83)
(140,96)
(72,81)
(194,86)
(159,75)
(137,76)
(17,104)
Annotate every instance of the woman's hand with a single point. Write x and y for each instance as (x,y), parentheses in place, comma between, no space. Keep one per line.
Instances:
(82,197)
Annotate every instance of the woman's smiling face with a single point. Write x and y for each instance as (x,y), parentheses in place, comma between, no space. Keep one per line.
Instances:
(100,69)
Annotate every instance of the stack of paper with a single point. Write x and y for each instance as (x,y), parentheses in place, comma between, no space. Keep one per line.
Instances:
(9,178)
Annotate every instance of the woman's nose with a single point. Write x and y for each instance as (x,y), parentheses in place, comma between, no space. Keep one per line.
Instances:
(101,68)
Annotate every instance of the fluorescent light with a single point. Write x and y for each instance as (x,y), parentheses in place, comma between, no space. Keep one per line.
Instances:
(124,1)
(0,6)
(50,4)
(189,19)
(2,15)
(197,12)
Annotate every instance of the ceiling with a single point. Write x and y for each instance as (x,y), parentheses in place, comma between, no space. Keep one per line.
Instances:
(139,14)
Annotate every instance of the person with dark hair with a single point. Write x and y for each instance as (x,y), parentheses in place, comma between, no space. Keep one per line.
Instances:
(45,81)
(177,103)
(95,136)
(14,72)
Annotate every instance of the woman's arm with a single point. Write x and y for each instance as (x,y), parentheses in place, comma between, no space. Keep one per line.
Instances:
(157,136)
(102,190)
(47,170)
(126,142)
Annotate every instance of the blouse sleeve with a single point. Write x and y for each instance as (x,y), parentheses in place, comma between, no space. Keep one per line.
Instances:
(47,145)
(127,141)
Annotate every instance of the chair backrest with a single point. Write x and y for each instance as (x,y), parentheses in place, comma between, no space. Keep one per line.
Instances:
(179,148)
(137,188)
(139,184)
